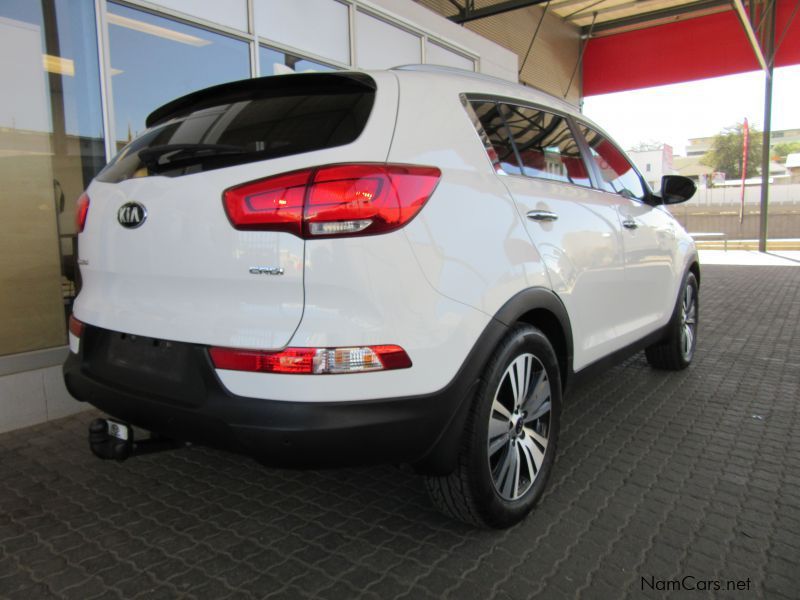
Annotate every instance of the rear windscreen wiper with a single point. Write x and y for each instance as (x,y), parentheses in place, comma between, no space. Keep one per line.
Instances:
(168,154)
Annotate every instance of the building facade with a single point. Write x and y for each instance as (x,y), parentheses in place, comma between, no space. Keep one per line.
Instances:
(80,77)
(654,164)
(699,146)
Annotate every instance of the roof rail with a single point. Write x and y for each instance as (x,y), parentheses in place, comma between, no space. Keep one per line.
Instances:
(451,70)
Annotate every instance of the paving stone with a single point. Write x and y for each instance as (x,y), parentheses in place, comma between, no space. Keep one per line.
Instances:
(659,474)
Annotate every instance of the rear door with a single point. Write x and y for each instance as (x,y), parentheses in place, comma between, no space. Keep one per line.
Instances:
(575,228)
(159,257)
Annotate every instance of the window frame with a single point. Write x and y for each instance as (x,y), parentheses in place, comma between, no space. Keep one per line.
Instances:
(572,131)
(265,46)
(648,192)
(468,97)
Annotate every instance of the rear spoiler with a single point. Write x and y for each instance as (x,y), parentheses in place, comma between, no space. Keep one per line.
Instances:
(277,85)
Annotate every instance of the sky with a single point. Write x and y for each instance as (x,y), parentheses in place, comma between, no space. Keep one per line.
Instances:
(674,113)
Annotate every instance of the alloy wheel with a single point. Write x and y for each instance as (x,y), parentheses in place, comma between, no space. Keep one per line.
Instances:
(519,427)
(688,322)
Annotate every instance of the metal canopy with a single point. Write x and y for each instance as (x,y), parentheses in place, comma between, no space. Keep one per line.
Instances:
(607,14)
(599,18)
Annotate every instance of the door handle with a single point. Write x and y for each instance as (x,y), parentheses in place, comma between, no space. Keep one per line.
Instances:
(542,215)
(630,224)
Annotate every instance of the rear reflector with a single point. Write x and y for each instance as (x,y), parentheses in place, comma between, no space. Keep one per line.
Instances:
(312,361)
(333,201)
(76,327)
(75,333)
(81,211)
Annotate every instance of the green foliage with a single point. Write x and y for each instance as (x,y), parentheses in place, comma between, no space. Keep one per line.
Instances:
(726,152)
(781,151)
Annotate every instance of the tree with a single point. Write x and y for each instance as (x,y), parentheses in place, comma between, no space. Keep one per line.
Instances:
(726,152)
(781,151)
(647,146)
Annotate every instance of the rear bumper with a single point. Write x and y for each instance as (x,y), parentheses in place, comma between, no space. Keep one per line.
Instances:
(420,429)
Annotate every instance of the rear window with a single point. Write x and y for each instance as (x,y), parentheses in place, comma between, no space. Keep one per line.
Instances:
(245,122)
(546,146)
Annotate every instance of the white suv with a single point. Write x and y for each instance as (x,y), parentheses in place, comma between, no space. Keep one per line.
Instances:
(405,266)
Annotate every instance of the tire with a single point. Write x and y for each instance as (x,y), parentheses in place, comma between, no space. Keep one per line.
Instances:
(676,350)
(506,429)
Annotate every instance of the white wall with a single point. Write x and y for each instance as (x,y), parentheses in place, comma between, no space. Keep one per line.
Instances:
(659,162)
(494,59)
(231,13)
(33,397)
(383,45)
(320,29)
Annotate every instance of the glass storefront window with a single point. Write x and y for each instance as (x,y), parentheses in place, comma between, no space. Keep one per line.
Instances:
(51,145)
(155,60)
(277,62)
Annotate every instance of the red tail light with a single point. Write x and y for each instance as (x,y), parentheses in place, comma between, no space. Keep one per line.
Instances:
(308,361)
(359,199)
(81,210)
(76,327)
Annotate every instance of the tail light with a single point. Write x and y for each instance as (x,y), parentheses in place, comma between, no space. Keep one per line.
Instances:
(81,211)
(312,361)
(339,200)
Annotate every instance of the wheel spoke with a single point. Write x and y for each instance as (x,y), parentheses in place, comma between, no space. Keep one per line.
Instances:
(519,380)
(691,314)
(529,464)
(497,407)
(498,426)
(538,403)
(537,455)
(536,437)
(511,468)
(498,443)
(543,409)
(503,470)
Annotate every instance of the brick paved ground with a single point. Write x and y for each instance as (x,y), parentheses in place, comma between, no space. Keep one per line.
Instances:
(664,475)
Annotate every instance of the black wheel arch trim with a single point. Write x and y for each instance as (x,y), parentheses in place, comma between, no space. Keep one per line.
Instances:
(525,305)
(522,307)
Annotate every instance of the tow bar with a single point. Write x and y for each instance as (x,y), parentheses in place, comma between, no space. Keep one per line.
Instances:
(111,440)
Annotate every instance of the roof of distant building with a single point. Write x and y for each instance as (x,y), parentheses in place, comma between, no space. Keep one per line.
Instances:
(690,166)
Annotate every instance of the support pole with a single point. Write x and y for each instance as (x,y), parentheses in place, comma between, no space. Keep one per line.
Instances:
(770,57)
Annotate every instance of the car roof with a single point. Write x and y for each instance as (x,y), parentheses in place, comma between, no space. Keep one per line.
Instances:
(470,82)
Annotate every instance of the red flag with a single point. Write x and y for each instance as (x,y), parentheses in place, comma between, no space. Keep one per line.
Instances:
(745,144)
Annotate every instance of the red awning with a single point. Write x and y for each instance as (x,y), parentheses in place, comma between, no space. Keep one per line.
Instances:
(708,46)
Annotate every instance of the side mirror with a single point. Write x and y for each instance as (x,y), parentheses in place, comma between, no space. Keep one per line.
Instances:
(676,189)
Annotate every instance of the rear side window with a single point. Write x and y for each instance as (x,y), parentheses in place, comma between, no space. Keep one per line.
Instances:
(247,122)
(617,173)
(546,146)
(497,138)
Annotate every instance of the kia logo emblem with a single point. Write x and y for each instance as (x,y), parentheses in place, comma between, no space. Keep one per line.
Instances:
(131,215)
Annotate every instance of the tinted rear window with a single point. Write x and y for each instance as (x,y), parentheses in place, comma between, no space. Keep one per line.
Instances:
(247,122)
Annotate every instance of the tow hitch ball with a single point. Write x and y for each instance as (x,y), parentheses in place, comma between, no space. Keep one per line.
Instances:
(113,440)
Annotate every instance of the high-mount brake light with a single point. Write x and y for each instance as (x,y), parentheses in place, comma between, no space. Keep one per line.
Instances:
(333,201)
(81,212)
(312,361)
